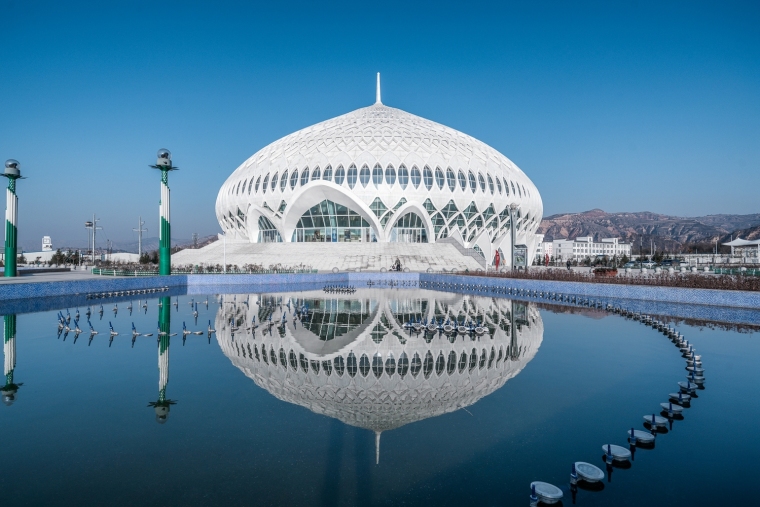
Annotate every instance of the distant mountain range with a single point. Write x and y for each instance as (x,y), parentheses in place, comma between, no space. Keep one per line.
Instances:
(669,233)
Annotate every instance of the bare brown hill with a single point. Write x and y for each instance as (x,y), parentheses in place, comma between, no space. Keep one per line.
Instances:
(669,233)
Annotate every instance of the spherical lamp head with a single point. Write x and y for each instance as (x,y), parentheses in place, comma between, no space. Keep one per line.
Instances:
(164,158)
(11,168)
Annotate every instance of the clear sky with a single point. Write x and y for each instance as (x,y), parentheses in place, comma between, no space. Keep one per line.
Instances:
(624,106)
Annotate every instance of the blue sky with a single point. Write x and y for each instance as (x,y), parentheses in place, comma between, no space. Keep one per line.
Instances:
(624,106)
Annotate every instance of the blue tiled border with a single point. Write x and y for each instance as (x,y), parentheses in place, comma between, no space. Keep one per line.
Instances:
(199,284)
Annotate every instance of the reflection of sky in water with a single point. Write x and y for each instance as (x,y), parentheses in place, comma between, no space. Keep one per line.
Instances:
(80,430)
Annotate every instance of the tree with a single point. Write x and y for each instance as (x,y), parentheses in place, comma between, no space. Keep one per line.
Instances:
(144,258)
(154,257)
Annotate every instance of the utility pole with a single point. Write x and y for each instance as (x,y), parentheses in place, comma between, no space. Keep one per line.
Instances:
(139,232)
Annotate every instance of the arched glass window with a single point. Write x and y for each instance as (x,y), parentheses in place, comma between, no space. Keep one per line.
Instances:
(351,176)
(451,364)
(258,180)
(409,229)
(427,177)
(439,178)
(250,185)
(450,179)
(482,182)
(490,182)
(236,188)
(377,364)
(403,364)
(264,185)
(274,182)
(518,190)
(305,176)
(340,175)
(351,365)
(294,179)
(390,175)
(403,176)
(339,365)
(377,175)
(427,365)
(315,174)
(440,364)
(332,222)
(473,184)
(416,178)
(364,176)
(462,181)
(364,365)
(292,359)
(498,184)
(390,364)
(506,187)
(327,174)
(243,187)
(416,365)
(512,183)
(284,181)
(267,231)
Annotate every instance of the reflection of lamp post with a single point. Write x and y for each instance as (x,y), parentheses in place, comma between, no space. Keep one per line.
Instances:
(164,163)
(513,234)
(163,404)
(11,213)
(8,391)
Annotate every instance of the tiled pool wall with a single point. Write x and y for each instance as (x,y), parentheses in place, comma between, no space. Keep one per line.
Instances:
(73,293)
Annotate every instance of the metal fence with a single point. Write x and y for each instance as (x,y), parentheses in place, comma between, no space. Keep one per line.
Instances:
(127,272)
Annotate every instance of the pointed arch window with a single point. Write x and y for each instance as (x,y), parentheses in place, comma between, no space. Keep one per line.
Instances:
(498,184)
(266,182)
(352,174)
(284,181)
(327,174)
(390,175)
(377,175)
(294,179)
(416,177)
(364,176)
(439,179)
(403,176)
(315,174)
(451,179)
(340,175)
(482,182)
(250,184)
(274,182)
(256,189)
(304,176)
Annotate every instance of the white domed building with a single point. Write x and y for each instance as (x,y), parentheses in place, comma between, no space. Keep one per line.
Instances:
(379,174)
(354,360)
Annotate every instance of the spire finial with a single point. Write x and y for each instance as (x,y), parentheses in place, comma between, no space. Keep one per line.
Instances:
(377,433)
(377,95)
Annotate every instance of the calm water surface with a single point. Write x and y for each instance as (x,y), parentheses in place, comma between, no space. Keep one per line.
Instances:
(348,407)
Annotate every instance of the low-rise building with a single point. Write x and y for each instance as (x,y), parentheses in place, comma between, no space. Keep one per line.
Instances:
(582,247)
(543,249)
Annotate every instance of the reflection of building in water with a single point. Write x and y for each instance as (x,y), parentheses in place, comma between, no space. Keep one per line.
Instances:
(8,391)
(163,404)
(354,360)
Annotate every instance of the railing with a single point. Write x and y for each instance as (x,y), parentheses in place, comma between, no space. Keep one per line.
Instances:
(736,271)
(135,273)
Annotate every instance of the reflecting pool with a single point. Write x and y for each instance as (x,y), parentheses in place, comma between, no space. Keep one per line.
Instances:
(314,398)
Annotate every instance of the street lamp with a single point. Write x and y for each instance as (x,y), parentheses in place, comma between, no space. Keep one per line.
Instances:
(13,173)
(164,164)
(513,233)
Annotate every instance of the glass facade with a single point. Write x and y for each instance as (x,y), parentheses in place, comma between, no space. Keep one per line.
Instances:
(267,231)
(409,229)
(331,222)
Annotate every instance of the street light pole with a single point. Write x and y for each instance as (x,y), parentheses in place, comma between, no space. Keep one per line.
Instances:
(164,164)
(513,234)
(13,173)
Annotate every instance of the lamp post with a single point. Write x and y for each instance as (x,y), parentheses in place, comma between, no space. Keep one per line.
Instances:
(513,233)
(163,404)
(164,164)
(9,389)
(13,173)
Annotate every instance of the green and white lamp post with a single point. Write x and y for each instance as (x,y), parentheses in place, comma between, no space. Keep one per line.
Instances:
(8,391)
(13,173)
(162,405)
(164,164)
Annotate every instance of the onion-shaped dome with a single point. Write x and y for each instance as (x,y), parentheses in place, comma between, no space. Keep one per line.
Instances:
(354,360)
(379,174)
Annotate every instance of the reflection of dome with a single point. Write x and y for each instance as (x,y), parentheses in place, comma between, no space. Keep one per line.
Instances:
(381,377)
(378,174)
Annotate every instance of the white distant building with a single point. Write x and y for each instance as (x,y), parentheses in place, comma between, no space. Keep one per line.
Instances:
(47,244)
(579,248)
(543,249)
